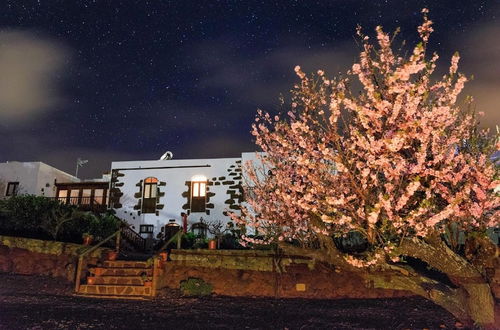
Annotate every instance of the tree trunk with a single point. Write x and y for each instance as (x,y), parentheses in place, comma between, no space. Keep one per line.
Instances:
(471,302)
(453,300)
(478,300)
(481,305)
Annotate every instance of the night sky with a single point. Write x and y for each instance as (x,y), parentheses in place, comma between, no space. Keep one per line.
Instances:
(129,80)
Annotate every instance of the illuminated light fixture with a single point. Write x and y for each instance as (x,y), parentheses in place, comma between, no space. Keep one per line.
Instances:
(199,178)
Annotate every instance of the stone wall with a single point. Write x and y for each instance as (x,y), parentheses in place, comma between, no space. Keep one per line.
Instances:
(260,273)
(27,256)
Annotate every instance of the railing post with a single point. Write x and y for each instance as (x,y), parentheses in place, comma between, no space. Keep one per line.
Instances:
(82,255)
(179,237)
(156,268)
(118,241)
(78,273)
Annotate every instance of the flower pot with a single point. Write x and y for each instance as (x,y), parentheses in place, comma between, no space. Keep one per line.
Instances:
(148,283)
(90,280)
(212,244)
(163,256)
(112,255)
(87,240)
(98,271)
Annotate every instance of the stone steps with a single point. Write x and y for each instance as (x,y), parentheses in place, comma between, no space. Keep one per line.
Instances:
(126,264)
(106,296)
(119,279)
(116,290)
(120,271)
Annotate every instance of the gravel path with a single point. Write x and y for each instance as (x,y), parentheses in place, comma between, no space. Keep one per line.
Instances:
(32,302)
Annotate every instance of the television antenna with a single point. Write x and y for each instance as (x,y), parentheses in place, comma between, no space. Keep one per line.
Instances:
(79,163)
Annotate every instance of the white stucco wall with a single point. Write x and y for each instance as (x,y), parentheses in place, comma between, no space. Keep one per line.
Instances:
(174,173)
(47,175)
(32,177)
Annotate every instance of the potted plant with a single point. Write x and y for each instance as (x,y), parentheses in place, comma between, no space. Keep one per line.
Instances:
(163,255)
(216,228)
(112,255)
(146,280)
(87,238)
(98,271)
(212,244)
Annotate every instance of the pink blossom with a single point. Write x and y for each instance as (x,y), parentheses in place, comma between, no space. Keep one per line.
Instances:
(397,170)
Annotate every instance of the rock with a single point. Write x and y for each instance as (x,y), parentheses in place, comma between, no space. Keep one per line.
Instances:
(5,264)
(70,269)
(4,249)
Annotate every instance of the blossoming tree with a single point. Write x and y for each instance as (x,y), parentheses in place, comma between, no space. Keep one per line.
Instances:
(397,161)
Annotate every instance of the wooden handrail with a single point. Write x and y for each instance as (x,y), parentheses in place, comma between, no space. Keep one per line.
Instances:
(177,237)
(133,237)
(84,253)
(95,247)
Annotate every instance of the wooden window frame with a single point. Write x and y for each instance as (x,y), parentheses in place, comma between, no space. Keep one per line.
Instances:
(150,189)
(102,197)
(146,229)
(198,199)
(15,189)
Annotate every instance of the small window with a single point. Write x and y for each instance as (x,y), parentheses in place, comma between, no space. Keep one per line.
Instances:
(199,189)
(146,229)
(86,193)
(12,189)
(149,194)
(62,195)
(198,196)
(99,196)
(74,196)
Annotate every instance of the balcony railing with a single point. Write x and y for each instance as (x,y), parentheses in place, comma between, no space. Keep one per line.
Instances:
(84,203)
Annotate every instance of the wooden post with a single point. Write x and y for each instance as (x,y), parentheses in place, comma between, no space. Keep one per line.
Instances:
(118,241)
(179,236)
(156,266)
(78,274)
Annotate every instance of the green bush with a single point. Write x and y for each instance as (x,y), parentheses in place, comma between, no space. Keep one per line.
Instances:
(230,242)
(196,287)
(200,243)
(23,215)
(44,218)
(187,240)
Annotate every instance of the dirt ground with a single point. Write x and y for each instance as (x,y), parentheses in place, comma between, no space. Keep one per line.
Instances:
(34,302)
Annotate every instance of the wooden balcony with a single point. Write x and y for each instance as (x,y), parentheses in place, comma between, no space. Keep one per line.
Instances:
(83,203)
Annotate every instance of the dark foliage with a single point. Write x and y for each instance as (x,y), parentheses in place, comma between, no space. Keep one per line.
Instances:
(44,218)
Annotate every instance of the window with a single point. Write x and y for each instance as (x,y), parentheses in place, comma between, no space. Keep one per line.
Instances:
(198,196)
(12,189)
(73,196)
(86,193)
(62,195)
(99,196)
(149,194)
(146,229)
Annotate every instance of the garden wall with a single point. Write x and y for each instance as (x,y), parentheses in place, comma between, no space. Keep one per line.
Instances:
(37,257)
(260,273)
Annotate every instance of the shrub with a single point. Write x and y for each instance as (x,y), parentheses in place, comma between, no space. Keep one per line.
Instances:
(196,287)
(44,218)
(230,242)
(23,215)
(188,240)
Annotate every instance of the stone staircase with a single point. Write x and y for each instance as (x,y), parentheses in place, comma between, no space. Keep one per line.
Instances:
(120,279)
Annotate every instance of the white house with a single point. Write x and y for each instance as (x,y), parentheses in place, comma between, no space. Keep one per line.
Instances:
(33,178)
(147,194)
